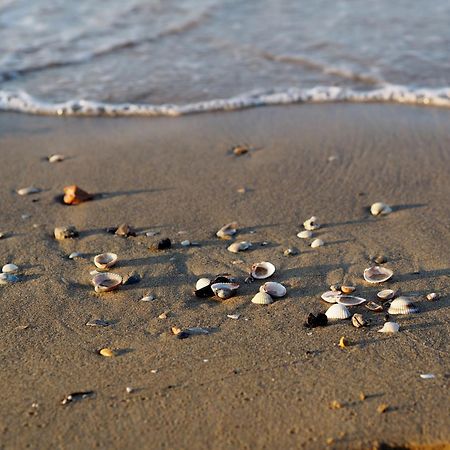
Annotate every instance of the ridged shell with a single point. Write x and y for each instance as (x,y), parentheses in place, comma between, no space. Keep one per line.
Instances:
(273,289)
(227,230)
(402,305)
(105,260)
(317,243)
(389,327)
(104,282)
(350,300)
(337,312)
(330,296)
(377,274)
(10,268)
(262,270)
(262,298)
(237,247)
(202,282)
(380,208)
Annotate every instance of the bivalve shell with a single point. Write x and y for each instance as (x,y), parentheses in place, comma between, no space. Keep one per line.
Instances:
(386,294)
(10,268)
(311,224)
(350,300)
(105,260)
(305,234)
(380,208)
(227,231)
(377,274)
(104,282)
(224,290)
(331,296)
(262,298)
(389,327)
(237,247)
(202,282)
(402,305)
(347,289)
(337,312)
(317,243)
(358,321)
(273,289)
(262,270)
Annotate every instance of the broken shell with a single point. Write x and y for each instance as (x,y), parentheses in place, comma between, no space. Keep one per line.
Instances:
(348,289)
(104,282)
(386,294)
(9,268)
(28,190)
(389,327)
(372,306)
(343,342)
(262,270)
(311,224)
(105,260)
(273,289)
(432,296)
(202,282)
(236,247)
(337,312)
(380,208)
(65,233)
(228,230)
(262,298)
(73,195)
(55,158)
(330,296)
(402,305)
(305,234)
(358,321)
(377,274)
(107,352)
(350,300)
(290,252)
(317,243)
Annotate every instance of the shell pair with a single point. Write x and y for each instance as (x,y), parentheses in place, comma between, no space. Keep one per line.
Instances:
(267,292)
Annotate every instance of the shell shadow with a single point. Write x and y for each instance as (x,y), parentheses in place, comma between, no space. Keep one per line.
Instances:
(411,206)
(423,274)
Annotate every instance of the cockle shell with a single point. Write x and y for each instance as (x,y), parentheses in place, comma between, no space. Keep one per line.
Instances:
(311,224)
(305,234)
(273,289)
(10,268)
(227,231)
(262,270)
(389,327)
(202,282)
(28,190)
(402,305)
(377,274)
(380,208)
(386,294)
(237,247)
(330,296)
(104,282)
(337,312)
(262,298)
(105,260)
(350,300)
(317,243)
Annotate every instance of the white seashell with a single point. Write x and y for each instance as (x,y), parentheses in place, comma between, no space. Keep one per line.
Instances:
(233,316)
(224,290)
(55,158)
(377,274)
(105,260)
(317,243)
(311,224)
(386,294)
(427,376)
(104,282)
(75,255)
(402,305)
(337,312)
(262,298)
(305,234)
(228,230)
(202,282)
(348,289)
(380,208)
(186,243)
(358,321)
(273,289)
(28,190)
(236,247)
(262,270)
(389,327)
(331,296)
(432,296)
(147,298)
(10,268)
(350,300)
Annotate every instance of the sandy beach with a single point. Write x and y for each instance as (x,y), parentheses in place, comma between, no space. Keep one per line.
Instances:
(263,381)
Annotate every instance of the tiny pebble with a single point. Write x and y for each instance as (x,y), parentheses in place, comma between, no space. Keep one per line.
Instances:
(154,371)
(186,243)
(290,252)
(382,408)
(432,296)
(55,158)
(129,389)
(241,190)
(2,235)
(28,190)
(147,298)
(162,316)
(233,316)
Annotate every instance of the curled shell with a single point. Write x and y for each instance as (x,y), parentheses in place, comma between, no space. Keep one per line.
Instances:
(262,298)
(202,282)
(380,208)
(350,300)
(330,296)
(358,321)
(386,294)
(389,327)
(73,195)
(337,312)
(372,306)
(105,260)
(347,289)
(104,282)
(262,270)
(317,243)
(377,274)
(28,190)
(311,224)
(237,247)
(227,231)
(10,268)
(305,234)
(402,305)
(273,289)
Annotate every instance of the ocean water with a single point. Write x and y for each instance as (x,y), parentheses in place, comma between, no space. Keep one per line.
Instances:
(171,57)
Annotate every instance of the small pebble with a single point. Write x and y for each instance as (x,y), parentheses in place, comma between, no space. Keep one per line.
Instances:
(62,233)
(242,190)
(335,405)
(362,396)
(233,316)
(147,298)
(106,352)
(162,316)
(427,376)
(154,371)
(290,252)
(382,408)
(2,235)
(129,389)
(432,296)
(97,323)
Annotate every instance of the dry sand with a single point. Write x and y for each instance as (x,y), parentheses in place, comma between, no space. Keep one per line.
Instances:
(263,381)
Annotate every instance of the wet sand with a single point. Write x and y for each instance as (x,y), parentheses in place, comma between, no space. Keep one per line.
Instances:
(263,381)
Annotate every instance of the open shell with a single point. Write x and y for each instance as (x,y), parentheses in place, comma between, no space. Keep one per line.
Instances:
(227,231)
(402,305)
(224,290)
(337,312)
(390,327)
(105,260)
(372,306)
(262,270)
(202,282)
(104,282)
(10,268)
(262,298)
(331,296)
(380,208)
(350,300)
(273,289)
(377,274)
(237,247)
(386,294)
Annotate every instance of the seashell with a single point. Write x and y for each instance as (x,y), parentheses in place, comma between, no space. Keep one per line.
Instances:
(337,312)
(224,290)
(202,282)
(262,270)
(402,305)
(290,252)
(6,278)
(372,306)
(377,274)
(228,230)
(350,300)
(55,158)
(343,342)
(224,293)
(273,289)
(389,327)
(10,268)
(432,296)
(105,260)
(233,316)
(427,376)
(73,195)
(98,323)
(331,296)
(317,243)
(335,288)
(106,352)
(239,150)
(236,247)
(262,298)
(65,233)
(305,234)
(358,321)
(147,298)
(125,230)
(386,294)
(348,289)
(185,243)
(131,278)
(380,208)
(104,282)
(311,224)
(28,190)
(74,255)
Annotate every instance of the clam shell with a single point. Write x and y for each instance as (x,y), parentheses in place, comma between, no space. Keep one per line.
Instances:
(317,243)
(55,158)
(224,293)
(224,290)
(350,300)
(28,190)
(337,312)
(237,247)
(372,306)
(358,321)
(262,298)
(228,230)
(262,270)
(105,260)
(389,327)
(402,305)
(10,268)
(386,294)
(377,274)
(380,208)
(273,289)
(104,282)
(305,234)
(311,224)
(202,282)
(348,289)
(330,296)
(432,296)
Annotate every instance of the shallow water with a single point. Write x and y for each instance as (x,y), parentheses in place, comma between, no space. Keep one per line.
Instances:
(154,54)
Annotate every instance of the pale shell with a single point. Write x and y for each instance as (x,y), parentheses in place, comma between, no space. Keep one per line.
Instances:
(377,274)
(202,282)
(386,294)
(380,208)
(337,312)
(105,260)
(262,270)
(317,243)
(224,290)
(273,289)
(305,234)
(10,268)
(237,247)
(74,255)
(330,296)
(432,296)
(262,298)
(311,224)
(402,305)
(389,327)
(358,321)
(348,289)
(28,190)
(104,282)
(350,300)
(55,158)
(228,230)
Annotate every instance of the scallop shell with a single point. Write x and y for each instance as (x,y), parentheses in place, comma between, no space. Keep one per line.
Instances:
(311,224)
(273,289)
(317,243)
(28,190)
(330,296)
(350,300)
(202,282)
(402,305)
(386,294)
(105,260)
(228,230)
(262,270)
(104,282)
(377,274)
(380,208)
(337,312)
(305,234)
(10,268)
(237,247)
(389,327)
(262,298)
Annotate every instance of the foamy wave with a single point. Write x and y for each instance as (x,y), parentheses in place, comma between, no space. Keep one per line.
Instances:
(23,102)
